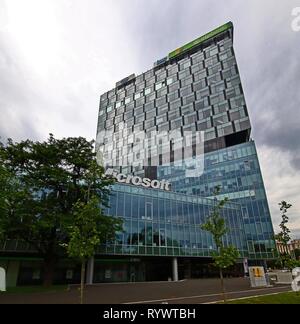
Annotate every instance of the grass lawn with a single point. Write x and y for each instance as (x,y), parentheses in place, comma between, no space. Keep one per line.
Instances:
(283,298)
(34,289)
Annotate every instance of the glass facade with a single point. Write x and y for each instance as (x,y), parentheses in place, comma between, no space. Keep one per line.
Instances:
(199,91)
(236,170)
(158,223)
(196,88)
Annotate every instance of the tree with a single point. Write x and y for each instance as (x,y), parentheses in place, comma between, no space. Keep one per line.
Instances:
(283,237)
(13,196)
(89,228)
(297,254)
(45,181)
(223,257)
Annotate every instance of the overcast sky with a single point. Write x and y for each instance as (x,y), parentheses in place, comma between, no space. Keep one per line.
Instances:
(58,56)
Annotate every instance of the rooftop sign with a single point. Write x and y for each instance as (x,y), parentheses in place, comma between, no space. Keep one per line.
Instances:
(200,40)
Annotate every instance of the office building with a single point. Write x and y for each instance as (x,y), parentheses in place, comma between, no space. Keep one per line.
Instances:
(165,188)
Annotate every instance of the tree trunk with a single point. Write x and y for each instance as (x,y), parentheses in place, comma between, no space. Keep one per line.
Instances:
(49,265)
(82,281)
(222,286)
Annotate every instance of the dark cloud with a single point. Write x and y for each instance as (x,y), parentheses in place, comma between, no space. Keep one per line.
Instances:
(15,119)
(74,51)
(274,97)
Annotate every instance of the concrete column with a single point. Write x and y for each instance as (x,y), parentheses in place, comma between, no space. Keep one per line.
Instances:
(187,269)
(90,271)
(12,273)
(175,269)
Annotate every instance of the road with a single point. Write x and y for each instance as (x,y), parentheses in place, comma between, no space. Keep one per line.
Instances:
(183,292)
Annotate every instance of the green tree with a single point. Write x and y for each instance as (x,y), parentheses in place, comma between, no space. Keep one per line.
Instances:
(90,227)
(13,197)
(45,181)
(297,254)
(224,256)
(283,237)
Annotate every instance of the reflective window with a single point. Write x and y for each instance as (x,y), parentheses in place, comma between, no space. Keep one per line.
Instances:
(147,91)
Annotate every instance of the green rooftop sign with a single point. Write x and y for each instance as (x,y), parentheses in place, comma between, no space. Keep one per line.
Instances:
(200,40)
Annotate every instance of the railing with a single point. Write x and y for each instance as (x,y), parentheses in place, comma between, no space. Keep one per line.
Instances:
(16,246)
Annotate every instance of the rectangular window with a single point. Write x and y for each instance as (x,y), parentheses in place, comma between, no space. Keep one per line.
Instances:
(198,57)
(150,82)
(187,81)
(229,63)
(200,75)
(176,123)
(158,86)
(140,101)
(162,237)
(199,85)
(203,93)
(149,106)
(174,113)
(140,86)
(121,95)
(120,111)
(184,74)
(139,118)
(211,80)
(215,99)
(162,92)
(172,69)
(161,76)
(161,101)
(199,105)
(217,88)
(147,91)
(149,123)
(138,110)
(184,65)
(169,81)
(187,109)
(164,127)
(175,86)
(137,96)
(190,119)
(221,119)
(189,99)
(175,104)
(197,68)
(163,109)
(150,97)
(173,96)
(161,119)
(214,51)
(149,211)
(150,114)
(130,90)
(210,134)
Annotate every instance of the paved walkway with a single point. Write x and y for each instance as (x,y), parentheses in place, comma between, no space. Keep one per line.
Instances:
(183,292)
